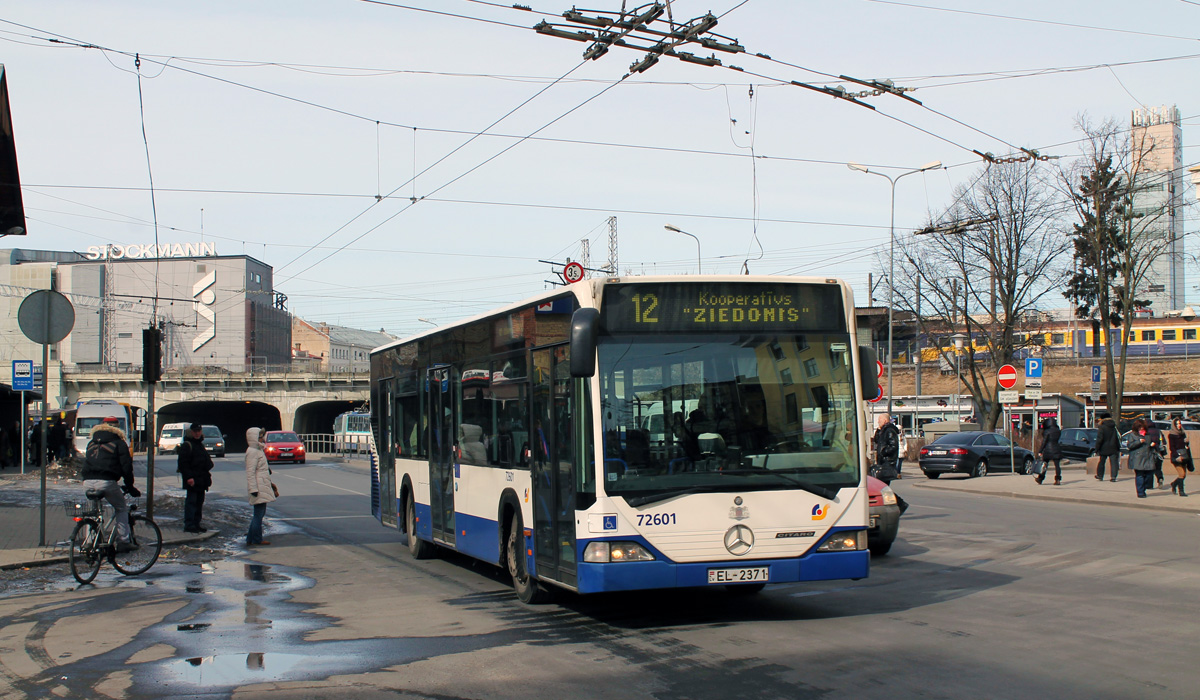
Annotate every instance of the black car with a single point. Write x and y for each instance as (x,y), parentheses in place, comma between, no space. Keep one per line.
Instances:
(1078,443)
(973,452)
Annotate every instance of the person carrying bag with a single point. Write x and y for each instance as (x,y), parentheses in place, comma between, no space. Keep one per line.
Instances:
(259,487)
(1181,455)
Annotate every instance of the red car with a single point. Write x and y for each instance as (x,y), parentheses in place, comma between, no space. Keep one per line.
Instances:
(885,516)
(283,446)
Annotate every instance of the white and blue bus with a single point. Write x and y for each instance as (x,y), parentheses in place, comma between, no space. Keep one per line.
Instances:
(523,437)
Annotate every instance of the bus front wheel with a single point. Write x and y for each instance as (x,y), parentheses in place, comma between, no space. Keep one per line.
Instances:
(528,590)
(417,547)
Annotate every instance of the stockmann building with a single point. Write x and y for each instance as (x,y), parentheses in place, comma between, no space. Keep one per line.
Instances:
(216,311)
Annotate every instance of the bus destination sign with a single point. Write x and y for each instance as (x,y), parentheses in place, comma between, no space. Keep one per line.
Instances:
(722,306)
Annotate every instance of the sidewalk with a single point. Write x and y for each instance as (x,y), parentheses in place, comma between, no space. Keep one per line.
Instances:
(20,521)
(1078,486)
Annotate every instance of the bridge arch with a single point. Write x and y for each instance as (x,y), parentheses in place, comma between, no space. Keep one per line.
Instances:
(317,416)
(232,417)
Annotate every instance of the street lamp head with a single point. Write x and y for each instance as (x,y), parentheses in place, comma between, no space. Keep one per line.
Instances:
(931,166)
(856,166)
(672,228)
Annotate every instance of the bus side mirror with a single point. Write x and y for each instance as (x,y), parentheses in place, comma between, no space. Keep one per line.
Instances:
(868,372)
(585,326)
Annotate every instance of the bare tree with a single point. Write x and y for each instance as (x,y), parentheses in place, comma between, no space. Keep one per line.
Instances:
(984,272)
(1119,236)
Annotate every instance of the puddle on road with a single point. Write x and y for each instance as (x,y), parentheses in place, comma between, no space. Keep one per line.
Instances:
(235,669)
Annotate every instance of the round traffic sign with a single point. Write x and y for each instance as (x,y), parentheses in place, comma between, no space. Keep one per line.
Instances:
(877,396)
(878,369)
(45,316)
(1007,376)
(573,272)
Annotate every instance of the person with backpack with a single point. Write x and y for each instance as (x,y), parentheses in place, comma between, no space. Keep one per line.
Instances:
(107,461)
(195,467)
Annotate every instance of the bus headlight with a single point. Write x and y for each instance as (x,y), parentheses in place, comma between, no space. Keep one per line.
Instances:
(604,552)
(889,496)
(845,542)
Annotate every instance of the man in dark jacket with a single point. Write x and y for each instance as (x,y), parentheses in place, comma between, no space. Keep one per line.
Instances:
(887,448)
(108,461)
(195,466)
(1108,446)
(1157,441)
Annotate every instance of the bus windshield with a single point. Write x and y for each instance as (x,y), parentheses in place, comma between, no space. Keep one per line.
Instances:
(727,412)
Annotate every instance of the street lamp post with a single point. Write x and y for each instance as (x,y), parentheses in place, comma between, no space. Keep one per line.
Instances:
(892,253)
(675,229)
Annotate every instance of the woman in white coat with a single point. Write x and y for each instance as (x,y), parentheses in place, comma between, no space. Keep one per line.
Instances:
(258,484)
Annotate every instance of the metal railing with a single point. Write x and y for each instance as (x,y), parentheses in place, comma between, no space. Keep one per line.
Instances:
(330,444)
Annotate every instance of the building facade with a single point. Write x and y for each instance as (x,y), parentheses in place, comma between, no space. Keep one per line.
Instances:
(329,348)
(1156,150)
(215,311)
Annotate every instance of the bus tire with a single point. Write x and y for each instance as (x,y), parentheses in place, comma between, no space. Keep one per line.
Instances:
(417,547)
(528,590)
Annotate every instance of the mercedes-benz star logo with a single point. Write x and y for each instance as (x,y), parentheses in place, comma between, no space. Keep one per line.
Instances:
(739,539)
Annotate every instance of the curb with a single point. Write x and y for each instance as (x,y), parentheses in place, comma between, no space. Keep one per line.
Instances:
(62,559)
(1061,499)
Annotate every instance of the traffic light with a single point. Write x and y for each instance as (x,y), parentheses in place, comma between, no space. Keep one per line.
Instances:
(151,355)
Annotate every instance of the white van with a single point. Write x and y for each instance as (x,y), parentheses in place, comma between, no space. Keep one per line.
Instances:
(91,413)
(171,436)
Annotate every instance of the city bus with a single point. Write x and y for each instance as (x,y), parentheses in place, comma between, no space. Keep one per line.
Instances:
(525,437)
(351,432)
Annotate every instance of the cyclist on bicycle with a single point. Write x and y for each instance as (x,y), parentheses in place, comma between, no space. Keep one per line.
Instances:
(107,461)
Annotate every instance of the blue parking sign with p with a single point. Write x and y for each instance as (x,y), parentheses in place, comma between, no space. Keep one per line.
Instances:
(1095,374)
(1033,367)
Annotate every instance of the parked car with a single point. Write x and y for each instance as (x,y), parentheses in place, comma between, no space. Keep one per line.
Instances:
(283,446)
(214,441)
(885,516)
(974,452)
(1078,443)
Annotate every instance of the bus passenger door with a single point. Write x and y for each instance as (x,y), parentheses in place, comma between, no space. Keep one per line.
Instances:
(385,454)
(441,453)
(553,464)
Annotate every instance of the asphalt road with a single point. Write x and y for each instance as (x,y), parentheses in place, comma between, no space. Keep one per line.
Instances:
(980,597)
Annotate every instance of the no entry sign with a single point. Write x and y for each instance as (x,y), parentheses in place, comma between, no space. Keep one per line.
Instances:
(1007,376)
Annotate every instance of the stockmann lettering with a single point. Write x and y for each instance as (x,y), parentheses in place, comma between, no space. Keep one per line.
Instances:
(135,251)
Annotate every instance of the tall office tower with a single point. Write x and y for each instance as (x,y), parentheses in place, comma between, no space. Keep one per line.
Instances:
(1156,149)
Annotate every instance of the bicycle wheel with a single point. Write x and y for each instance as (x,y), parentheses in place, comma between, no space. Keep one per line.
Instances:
(148,538)
(85,551)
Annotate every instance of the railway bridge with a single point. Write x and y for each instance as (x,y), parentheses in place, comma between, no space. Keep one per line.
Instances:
(306,402)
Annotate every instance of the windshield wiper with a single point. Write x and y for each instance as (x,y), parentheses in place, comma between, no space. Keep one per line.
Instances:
(817,489)
(646,499)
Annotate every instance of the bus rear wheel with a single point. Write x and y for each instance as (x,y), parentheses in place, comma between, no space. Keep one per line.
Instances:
(417,547)
(528,590)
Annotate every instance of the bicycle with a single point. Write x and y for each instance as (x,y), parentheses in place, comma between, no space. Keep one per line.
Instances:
(92,543)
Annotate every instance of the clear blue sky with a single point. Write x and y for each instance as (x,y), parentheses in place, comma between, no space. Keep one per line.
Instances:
(263,115)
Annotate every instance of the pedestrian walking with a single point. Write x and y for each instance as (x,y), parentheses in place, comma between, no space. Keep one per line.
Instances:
(1108,447)
(258,485)
(901,450)
(108,461)
(1154,434)
(1051,450)
(58,441)
(1180,450)
(887,448)
(195,467)
(1142,451)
